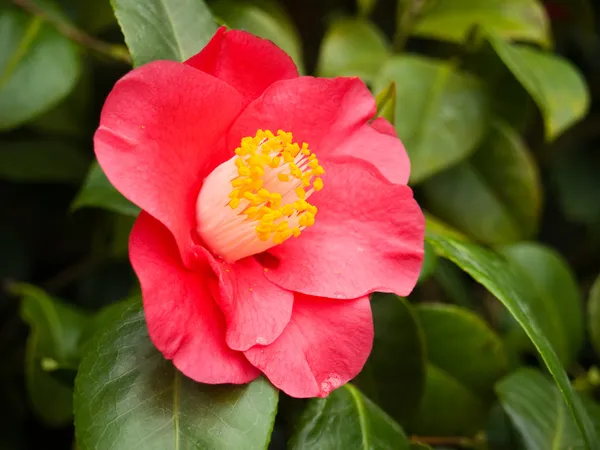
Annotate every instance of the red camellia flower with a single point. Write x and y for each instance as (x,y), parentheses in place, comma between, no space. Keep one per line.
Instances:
(272,206)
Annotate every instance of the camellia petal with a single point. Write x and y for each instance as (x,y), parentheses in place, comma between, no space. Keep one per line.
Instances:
(246,62)
(368,236)
(183,320)
(256,310)
(319,111)
(160,135)
(378,143)
(326,344)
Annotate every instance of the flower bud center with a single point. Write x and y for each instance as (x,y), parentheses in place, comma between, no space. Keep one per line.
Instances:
(258,198)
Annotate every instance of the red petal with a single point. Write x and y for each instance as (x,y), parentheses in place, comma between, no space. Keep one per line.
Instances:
(183,321)
(368,236)
(326,344)
(322,112)
(256,310)
(378,143)
(248,63)
(159,137)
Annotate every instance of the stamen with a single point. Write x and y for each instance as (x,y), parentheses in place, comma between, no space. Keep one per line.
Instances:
(268,184)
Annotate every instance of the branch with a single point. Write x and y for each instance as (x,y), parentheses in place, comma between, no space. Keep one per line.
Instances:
(457,441)
(113,51)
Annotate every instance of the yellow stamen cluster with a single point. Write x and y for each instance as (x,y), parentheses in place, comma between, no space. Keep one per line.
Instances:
(294,164)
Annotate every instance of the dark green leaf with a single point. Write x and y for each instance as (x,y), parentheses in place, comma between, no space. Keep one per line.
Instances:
(347,420)
(164,29)
(555,84)
(365,7)
(447,408)
(386,379)
(42,161)
(452,281)
(594,315)
(558,306)
(418,446)
(127,396)
(538,411)
(441,113)
(352,47)
(524,20)
(495,196)
(54,344)
(430,261)
(263,18)
(386,103)
(508,285)
(463,346)
(466,358)
(98,192)
(38,66)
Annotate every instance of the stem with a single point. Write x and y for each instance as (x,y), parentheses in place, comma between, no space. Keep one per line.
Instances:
(458,441)
(408,12)
(113,51)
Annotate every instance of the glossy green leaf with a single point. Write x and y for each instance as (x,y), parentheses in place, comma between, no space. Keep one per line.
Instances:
(42,161)
(349,420)
(452,281)
(447,408)
(164,29)
(494,196)
(386,379)
(38,66)
(523,20)
(466,358)
(556,86)
(98,192)
(352,47)
(441,113)
(386,103)
(594,315)
(461,344)
(558,306)
(128,396)
(56,335)
(430,261)
(538,411)
(509,285)
(263,18)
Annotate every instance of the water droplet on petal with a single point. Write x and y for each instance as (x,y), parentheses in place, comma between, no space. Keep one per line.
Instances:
(339,294)
(261,341)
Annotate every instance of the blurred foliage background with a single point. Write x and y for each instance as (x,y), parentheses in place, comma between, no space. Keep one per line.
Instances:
(497,104)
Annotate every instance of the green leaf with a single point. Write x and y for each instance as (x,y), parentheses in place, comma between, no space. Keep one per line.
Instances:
(539,413)
(441,113)
(523,20)
(556,86)
(495,196)
(557,305)
(128,396)
(352,47)
(594,315)
(509,285)
(430,261)
(447,408)
(466,358)
(452,281)
(54,343)
(42,161)
(365,7)
(386,103)
(386,379)
(419,446)
(98,192)
(263,18)
(164,29)
(346,419)
(38,66)
(461,344)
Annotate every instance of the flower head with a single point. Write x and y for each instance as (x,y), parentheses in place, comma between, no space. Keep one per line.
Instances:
(273,205)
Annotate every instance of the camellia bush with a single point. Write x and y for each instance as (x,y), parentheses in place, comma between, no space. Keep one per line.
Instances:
(334,224)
